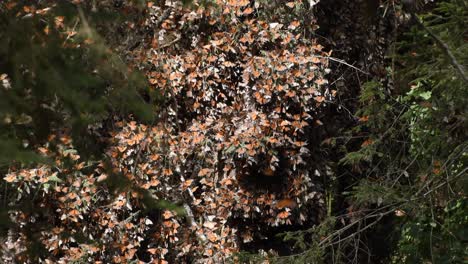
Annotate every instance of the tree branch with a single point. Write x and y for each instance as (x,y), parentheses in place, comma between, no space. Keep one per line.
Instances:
(444,47)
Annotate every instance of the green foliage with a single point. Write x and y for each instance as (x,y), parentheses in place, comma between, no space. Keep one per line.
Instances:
(440,238)
(418,137)
(368,193)
(376,112)
(58,73)
(438,95)
(309,245)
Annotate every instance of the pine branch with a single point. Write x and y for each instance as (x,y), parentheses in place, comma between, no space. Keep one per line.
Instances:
(444,47)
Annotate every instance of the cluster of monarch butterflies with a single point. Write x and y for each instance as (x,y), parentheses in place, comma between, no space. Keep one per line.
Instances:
(243,83)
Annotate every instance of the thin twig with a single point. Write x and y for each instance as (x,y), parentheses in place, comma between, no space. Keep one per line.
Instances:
(169,44)
(462,173)
(342,62)
(73,32)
